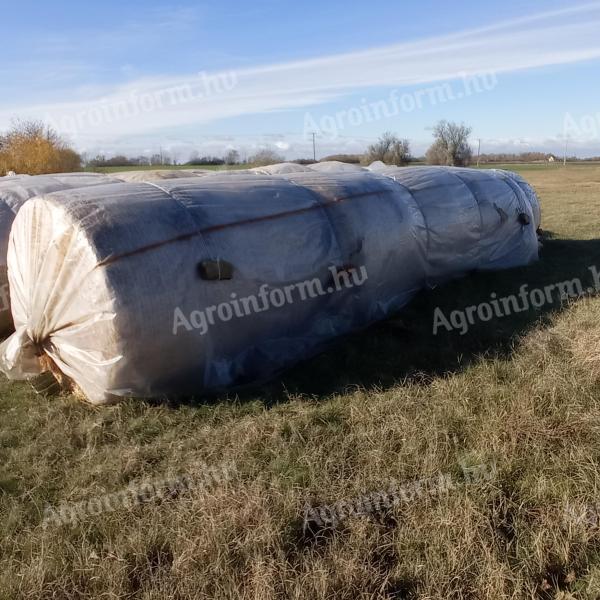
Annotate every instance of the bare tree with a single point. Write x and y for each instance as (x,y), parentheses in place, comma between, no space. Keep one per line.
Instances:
(232,158)
(451,145)
(267,156)
(389,149)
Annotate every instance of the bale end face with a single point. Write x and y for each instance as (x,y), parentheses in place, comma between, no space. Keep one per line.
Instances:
(60,302)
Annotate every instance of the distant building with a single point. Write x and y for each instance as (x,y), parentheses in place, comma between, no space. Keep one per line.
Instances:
(552,158)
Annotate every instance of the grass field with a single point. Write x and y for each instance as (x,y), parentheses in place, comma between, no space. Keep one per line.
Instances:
(391,404)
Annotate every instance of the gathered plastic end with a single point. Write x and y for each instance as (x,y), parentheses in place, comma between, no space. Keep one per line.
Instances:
(20,357)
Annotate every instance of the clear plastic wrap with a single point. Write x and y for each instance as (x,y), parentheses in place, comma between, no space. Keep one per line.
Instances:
(183,286)
(147,175)
(14,192)
(282,169)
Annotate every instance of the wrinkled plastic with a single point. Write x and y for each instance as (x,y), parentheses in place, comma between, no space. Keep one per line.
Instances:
(480,203)
(109,281)
(14,192)
(282,169)
(336,166)
(158,174)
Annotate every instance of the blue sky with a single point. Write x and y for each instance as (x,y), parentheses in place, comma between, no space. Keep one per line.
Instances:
(132,77)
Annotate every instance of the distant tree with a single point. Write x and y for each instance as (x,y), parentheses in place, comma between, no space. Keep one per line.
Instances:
(31,147)
(205,160)
(437,154)
(389,149)
(232,158)
(264,157)
(117,161)
(97,161)
(451,145)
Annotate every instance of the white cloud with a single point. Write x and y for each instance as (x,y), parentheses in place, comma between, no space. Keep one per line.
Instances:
(551,38)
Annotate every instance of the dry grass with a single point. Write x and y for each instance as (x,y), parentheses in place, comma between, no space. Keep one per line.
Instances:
(390,403)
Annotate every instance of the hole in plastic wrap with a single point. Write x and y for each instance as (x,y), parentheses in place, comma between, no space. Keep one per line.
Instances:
(524,219)
(215,270)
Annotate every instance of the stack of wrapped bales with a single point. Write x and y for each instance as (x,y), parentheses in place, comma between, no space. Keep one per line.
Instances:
(14,192)
(204,283)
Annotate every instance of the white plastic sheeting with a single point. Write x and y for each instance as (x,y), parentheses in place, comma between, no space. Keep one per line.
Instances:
(14,192)
(107,281)
(159,174)
(282,169)
(469,177)
(526,189)
(481,233)
(330,166)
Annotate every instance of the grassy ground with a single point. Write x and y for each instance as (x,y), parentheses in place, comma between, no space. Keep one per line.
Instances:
(393,403)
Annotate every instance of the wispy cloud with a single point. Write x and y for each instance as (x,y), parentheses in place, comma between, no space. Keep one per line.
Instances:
(551,38)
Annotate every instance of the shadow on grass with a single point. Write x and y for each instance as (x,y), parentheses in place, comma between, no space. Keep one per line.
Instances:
(405,347)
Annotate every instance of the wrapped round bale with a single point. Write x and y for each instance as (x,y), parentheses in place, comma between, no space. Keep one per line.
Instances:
(433,174)
(482,202)
(158,174)
(199,284)
(282,169)
(14,192)
(330,166)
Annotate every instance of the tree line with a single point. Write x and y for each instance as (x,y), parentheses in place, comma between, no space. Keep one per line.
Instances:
(34,148)
(450,147)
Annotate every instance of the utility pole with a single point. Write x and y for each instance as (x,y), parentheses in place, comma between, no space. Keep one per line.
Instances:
(314,135)
(566,150)
(478,151)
